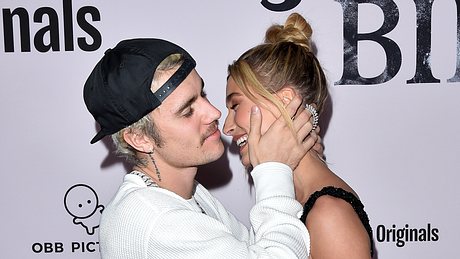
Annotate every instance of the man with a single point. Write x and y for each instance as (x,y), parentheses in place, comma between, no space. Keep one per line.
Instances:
(148,96)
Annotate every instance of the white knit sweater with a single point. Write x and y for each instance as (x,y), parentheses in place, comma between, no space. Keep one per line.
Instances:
(149,222)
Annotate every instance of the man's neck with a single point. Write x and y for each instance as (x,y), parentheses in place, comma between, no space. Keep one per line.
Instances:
(181,181)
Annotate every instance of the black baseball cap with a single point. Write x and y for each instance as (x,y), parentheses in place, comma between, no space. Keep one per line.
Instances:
(117,92)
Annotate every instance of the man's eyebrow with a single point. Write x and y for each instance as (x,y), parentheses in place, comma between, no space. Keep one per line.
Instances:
(185,105)
(189,102)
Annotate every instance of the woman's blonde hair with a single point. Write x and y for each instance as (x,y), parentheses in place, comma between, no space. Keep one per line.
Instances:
(285,59)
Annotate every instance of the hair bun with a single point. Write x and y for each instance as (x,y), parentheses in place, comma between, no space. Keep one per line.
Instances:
(296,30)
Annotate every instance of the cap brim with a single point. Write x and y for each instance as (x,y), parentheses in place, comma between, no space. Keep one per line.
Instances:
(98,137)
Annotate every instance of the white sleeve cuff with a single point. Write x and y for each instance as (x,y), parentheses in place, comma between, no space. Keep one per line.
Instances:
(273,179)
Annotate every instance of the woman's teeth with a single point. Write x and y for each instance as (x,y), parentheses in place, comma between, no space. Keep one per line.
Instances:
(242,141)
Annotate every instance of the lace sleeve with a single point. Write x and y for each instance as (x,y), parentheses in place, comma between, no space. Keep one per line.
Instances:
(346,196)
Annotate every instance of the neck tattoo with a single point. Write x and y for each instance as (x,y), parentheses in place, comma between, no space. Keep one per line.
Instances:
(150,183)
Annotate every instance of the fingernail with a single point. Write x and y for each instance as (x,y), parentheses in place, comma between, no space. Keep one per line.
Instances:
(255,109)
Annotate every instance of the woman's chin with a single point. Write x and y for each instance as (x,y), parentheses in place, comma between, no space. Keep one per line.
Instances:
(245,161)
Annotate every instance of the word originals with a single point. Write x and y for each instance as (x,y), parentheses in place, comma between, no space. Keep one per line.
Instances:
(403,235)
(58,247)
(47,38)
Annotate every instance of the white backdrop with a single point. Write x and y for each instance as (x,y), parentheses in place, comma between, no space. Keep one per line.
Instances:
(396,143)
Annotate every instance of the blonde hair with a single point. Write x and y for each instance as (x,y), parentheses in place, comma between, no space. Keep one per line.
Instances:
(285,59)
(145,125)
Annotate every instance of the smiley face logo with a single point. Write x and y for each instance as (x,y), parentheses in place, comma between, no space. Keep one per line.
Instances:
(82,203)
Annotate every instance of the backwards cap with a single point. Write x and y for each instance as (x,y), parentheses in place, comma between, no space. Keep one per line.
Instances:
(117,92)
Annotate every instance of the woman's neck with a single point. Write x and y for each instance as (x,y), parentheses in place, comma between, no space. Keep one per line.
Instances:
(311,175)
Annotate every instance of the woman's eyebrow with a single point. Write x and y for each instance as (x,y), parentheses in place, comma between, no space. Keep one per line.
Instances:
(230,96)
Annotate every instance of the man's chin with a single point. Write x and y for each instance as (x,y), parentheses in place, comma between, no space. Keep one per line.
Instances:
(217,152)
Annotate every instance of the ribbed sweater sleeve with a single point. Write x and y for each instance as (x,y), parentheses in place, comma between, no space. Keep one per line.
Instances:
(274,217)
(144,223)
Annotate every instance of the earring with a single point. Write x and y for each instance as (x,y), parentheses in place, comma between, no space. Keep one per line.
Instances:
(155,165)
(314,115)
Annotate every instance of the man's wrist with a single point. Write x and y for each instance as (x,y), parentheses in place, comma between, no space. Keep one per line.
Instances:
(273,179)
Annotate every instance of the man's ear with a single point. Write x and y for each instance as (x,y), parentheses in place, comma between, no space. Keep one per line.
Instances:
(138,141)
(286,94)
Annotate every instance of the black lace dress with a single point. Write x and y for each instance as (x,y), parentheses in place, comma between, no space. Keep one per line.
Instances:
(346,196)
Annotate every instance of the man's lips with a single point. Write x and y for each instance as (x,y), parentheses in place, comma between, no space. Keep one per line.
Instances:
(213,130)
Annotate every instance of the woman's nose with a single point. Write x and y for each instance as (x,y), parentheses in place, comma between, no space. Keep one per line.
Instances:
(228,126)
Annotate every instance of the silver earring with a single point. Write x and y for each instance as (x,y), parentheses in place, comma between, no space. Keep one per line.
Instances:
(155,165)
(314,115)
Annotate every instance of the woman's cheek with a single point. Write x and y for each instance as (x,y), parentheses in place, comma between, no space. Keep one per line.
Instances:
(243,118)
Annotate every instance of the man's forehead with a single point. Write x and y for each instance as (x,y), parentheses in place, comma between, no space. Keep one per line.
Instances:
(185,91)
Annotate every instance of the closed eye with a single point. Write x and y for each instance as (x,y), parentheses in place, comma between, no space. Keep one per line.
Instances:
(189,113)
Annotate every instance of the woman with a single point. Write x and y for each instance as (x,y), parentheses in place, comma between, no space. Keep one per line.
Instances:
(269,76)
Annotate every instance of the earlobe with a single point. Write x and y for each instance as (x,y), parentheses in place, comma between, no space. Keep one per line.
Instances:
(286,94)
(140,142)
